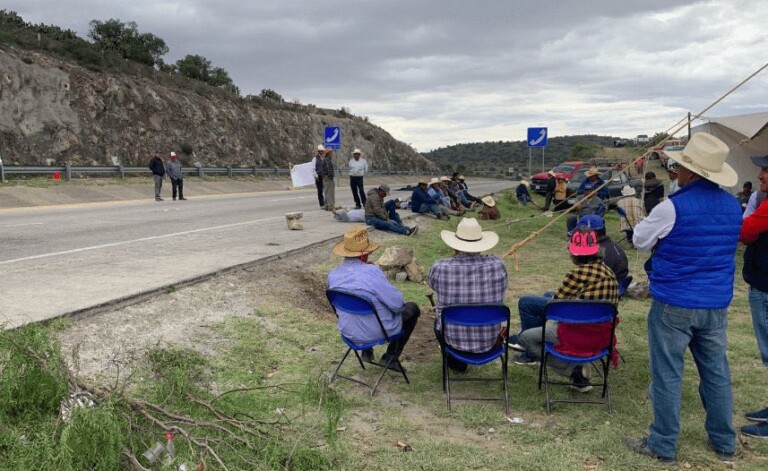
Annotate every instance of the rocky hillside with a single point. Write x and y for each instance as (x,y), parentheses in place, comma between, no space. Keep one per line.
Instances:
(53,111)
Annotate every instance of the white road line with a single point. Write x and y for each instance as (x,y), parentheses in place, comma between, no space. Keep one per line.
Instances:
(22,225)
(143,239)
(296,198)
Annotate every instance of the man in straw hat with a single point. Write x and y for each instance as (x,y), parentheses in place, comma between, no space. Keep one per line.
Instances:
(522,194)
(317,173)
(356,276)
(469,277)
(489,210)
(422,203)
(357,169)
(550,190)
(754,233)
(693,235)
(592,182)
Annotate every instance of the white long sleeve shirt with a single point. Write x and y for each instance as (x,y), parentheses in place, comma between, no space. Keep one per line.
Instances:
(655,226)
(357,168)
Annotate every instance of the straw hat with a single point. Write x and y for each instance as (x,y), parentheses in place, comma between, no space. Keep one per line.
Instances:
(321,148)
(628,191)
(470,237)
(488,201)
(593,171)
(434,180)
(355,243)
(423,181)
(705,156)
(357,151)
(552,173)
(445,179)
(524,182)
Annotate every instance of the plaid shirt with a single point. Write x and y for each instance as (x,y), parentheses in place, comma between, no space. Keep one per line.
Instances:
(469,278)
(590,281)
(634,209)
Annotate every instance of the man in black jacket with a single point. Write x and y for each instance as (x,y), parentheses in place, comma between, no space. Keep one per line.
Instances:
(551,185)
(158,173)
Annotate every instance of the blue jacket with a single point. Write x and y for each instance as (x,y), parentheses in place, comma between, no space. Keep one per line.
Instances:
(419,197)
(694,266)
(588,185)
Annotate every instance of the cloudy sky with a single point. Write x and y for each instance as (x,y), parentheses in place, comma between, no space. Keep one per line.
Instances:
(440,72)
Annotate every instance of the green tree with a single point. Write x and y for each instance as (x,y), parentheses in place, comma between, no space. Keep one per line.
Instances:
(125,40)
(581,151)
(194,67)
(269,94)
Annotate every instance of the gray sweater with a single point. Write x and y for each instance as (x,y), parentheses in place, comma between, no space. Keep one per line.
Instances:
(174,170)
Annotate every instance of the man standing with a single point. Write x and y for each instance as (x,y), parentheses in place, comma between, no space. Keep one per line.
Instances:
(324,170)
(158,173)
(377,216)
(632,207)
(356,276)
(357,170)
(469,277)
(654,191)
(672,174)
(317,173)
(550,191)
(177,177)
(693,235)
(754,233)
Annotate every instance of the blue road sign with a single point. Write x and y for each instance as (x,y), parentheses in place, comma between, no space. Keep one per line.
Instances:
(332,137)
(537,137)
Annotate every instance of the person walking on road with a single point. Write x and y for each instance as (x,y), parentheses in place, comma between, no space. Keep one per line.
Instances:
(317,161)
(358,167)
(693,236)
(158,173)
(325,171)
(173,169)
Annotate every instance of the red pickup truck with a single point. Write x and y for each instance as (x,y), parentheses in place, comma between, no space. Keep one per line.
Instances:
(565,170)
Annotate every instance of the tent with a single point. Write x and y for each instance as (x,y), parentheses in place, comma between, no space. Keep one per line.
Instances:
(746,135)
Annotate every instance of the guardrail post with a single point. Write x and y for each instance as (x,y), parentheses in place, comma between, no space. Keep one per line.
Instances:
(68,171)
(254,171)
(121,171)
(2,172)
(229,171)
(200,172)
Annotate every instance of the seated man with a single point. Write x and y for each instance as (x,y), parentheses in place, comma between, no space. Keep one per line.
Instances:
(591,205)
(377,216)
(521,192)
(590,278)
(464,188)
(613,255)
(355,275)
(442,199)
(489,209)
(632,207)
(422,203)
(469,277)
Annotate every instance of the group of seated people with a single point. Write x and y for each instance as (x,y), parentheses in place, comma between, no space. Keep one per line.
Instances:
(443,197)
(471,277)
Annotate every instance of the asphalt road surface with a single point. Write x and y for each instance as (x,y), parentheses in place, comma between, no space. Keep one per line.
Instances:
(61,260)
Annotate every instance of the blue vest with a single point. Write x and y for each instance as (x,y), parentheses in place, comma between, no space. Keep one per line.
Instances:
(694,266)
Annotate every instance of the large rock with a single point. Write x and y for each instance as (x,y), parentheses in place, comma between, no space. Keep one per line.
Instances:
(395,257)
(415,272)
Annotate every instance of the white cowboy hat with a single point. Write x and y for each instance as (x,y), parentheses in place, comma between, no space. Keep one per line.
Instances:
(470,237)
(434,180)
(355,243)
(445,179)
(320,147)
(488,201)
(551,173)
(357,151)
(524,182)
(705,155)
(628,191)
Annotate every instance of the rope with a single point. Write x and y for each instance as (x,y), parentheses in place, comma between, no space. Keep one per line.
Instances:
(512,252)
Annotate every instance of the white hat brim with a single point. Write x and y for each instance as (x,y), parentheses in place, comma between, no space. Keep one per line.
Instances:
(727,176)
(487,242)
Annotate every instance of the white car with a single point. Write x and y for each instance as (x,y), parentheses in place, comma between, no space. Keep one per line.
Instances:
(642,139)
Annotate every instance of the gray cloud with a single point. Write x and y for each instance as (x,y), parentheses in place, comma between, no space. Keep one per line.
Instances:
(438,72)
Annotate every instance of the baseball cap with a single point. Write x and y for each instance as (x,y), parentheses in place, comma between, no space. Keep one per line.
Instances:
(583,242)
(384,187)
(592,221)
(761,162)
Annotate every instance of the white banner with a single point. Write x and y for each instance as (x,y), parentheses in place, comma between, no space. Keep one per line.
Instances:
(302,174)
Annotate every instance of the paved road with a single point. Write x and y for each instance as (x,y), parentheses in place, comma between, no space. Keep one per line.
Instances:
(56,261)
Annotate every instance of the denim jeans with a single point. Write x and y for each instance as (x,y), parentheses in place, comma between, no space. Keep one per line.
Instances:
(383,225)
(391,208)
(671,330)
(531,310)
(758,302)
(430,208)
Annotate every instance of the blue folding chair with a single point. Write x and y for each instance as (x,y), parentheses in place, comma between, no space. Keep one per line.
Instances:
(476,315)
(578,311)
(359,306)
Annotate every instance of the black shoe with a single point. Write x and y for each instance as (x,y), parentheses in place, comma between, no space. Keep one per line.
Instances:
(413,231)
(181,198)
(514,343)
(525,359)
(367,355)
(640,445)
(158,198)
(358,207)
(758,416)
(394,364)
(580,380)
(722,455)
(174,199)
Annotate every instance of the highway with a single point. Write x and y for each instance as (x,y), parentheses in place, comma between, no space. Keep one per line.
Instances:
(61,260)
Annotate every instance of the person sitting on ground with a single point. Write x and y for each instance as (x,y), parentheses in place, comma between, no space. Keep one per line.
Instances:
(343,214)
(422,203)
(377,216)
(633,208)
(744,195)
(454,188)
(654,192)
(465,188)
(592,182)
(442,200)
(456,203)
(355,275)
(561,192)
(589,279)
(591,205)
(489,209)
(469,277)
(521,192)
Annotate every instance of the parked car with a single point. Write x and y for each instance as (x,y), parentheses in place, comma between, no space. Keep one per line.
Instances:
(617,182)
(565,170)
(642,139)
(664,158)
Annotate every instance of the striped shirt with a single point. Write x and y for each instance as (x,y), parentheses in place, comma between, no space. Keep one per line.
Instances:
(469,278)
(635,212)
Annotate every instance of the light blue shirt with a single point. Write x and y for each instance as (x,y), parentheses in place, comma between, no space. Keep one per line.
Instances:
(368,281)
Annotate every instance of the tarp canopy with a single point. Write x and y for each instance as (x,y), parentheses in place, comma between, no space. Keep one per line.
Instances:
(746,135)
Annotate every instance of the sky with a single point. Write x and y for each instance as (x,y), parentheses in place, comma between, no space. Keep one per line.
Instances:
(435,73)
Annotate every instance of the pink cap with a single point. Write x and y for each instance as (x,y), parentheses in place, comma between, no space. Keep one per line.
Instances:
(583,242)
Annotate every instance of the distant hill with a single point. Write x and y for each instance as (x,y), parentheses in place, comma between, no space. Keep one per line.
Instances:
(496,157)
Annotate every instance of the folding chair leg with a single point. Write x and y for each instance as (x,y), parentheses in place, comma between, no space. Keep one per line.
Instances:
(546,382)
(504,378)
(336,372)
(359,360)
(448,385)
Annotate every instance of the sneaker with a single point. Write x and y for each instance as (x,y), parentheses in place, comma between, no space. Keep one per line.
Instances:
(182,198)
(722,455)
(580,380)
(758,416)
(640,445)
(413,230)
(514,343)
(756,430)
(525,359)
(158,198)
(394,365)
(367,355)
